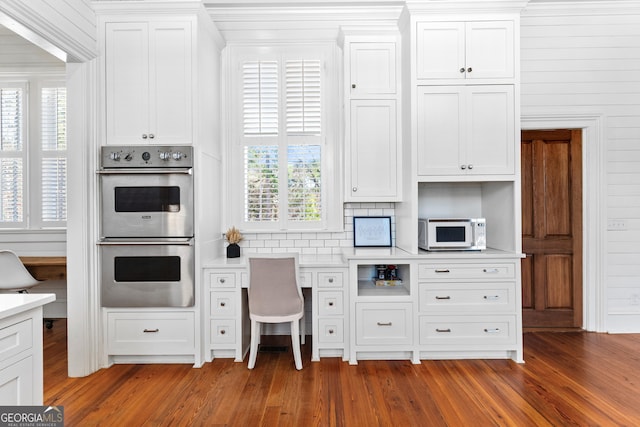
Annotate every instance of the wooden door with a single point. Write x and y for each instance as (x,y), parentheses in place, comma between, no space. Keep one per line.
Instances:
(552,228)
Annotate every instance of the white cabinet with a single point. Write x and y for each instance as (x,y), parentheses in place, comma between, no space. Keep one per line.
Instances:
(466,130)
(328,334)
(372,68)
(148,82)
(465,50)
(372,108)
(382,310)
(147,334)
(469,309)
(373,151)
(224,309)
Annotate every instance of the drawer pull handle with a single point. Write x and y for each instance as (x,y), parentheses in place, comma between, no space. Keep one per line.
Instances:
(384,323)
(147,331)
(492,297)
(330,331)
(443,330)
(223,304)
(442,270)
(222,332)
(447,297)
(222,280)
(492,331)
(331,304)
(491,270)
(330,279)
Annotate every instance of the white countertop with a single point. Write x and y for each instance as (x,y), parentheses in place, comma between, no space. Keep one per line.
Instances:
(12,304)
(305,261)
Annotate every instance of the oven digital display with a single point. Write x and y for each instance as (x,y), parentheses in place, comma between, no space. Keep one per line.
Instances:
(147,199)
(147,269)
(450,234)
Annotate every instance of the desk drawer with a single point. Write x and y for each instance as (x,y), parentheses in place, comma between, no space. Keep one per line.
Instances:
(222,280)
(489,271)
(330,303)
(467,330)
(331,330)
(467,297)
(223,331)
(384,323)
(16,338)
(330,279)
(223,304)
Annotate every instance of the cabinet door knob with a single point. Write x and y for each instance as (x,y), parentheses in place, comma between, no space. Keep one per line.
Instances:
(469,70)
(463,167)
(144,136)
(353,86)
(151,136)
(462,70)
(470,166)
(354,189)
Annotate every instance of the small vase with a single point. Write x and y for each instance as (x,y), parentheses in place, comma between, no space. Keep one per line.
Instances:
(233,250)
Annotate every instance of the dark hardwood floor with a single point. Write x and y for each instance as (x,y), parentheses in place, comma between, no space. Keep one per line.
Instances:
(569,379)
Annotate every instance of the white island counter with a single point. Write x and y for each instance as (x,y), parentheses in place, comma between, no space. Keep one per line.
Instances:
(21,371)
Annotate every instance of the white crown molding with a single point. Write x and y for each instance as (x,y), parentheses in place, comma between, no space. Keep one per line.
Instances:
(581,7)
(465,6)
(57,35)
(144,8)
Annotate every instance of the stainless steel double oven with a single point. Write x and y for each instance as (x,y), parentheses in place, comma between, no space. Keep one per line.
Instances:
(146,245)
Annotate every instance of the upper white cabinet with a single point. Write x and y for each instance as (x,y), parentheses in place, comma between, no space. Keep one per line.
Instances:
(372,110)
(148,77)
(465,50)
(372,68)
(466,130)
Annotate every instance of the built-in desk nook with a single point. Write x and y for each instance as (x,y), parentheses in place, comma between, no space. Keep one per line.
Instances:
(52,271)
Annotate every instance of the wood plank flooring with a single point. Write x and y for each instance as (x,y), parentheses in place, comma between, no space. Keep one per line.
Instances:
(569,379)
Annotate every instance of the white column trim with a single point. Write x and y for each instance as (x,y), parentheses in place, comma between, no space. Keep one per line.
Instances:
(593,206)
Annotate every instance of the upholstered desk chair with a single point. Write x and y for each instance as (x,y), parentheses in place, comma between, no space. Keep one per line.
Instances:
(14,276)
(275,297)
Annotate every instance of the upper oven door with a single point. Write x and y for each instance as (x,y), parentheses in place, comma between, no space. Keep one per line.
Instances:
(147,203)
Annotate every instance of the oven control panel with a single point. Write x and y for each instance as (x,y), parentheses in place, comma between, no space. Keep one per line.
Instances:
(146,156)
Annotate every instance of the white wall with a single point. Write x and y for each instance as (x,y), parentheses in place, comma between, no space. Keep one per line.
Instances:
(584,59)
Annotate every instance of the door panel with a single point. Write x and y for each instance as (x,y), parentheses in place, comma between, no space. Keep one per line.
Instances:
(552,228)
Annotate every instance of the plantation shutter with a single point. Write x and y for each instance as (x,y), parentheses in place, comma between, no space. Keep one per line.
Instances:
(11,155)
(303,97)
(54,158)
(260,93)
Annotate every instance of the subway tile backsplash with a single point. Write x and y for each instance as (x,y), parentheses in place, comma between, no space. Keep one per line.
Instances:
(318,243)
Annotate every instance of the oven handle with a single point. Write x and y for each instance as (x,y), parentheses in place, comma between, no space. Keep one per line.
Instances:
(184,242)
(154,171)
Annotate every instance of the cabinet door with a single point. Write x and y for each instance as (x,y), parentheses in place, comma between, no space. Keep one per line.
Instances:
(441,130)
(170,86)
(372,68)
(489,49)
(127,74)
(373,152)
(465,50)
(466,130)
(440,50)
(490,130)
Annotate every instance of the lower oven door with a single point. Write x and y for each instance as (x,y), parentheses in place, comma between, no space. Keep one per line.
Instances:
(147,273)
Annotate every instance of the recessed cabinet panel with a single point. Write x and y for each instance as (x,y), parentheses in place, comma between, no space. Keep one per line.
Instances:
(373,150)
(373,68)
(467,330)
(440,50)
(384,323)
(489,49)
(467,297)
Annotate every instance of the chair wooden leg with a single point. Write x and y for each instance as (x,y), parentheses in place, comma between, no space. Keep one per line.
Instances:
(255,339)
(295,343)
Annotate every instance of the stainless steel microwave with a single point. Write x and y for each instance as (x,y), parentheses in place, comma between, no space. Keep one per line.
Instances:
(452,234)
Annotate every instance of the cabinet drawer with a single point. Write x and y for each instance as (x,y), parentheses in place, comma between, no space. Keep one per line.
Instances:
(330,279)
(154,333)
(383,323)
(223,331)
(222,280)
(306,279)
(16,385)
(222,304)
(331,330)
(467,271)
(484,297)
(467,330)
(330,303)
(16,338)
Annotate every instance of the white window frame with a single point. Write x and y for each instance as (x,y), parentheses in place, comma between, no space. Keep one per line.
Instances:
(329,141)
(32,153)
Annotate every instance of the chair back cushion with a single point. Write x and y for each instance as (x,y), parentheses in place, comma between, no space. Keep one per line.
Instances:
(273,287)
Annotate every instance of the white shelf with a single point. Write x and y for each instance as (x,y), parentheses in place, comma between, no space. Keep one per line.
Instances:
(367,288)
